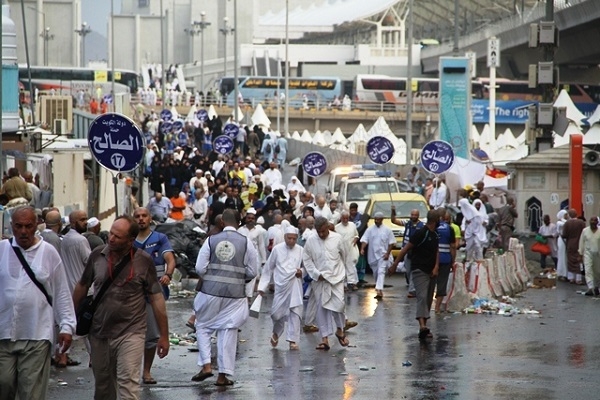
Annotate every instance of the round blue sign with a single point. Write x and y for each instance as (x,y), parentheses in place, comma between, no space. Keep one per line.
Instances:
(314,164)
(178,125)
(223,144)
(231,130)
(166,127)
(437,156)
(166,115)
(116,142)
(202,115)
(380,150)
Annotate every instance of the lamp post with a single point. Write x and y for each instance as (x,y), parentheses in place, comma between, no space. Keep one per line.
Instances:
(192,31)
(225,30)
(83,32)
(201,25)
(47,37)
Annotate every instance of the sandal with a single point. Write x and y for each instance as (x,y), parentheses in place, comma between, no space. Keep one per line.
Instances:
(274,341)
(344,342)
(423,333)
(226,382)
(294,346)
(323,346)
(149,381)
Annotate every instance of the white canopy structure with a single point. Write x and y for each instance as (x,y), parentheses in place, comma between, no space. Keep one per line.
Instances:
(191,115)
(306,137)
(240,115)
(338,137)
(259,117)
(327,137)
(296,135)
(592,136)
(474,134)
(565,139)
(212,112)
(359,135)
(381,128)
(595,117)
(573,113)
(175,113)
(319,139)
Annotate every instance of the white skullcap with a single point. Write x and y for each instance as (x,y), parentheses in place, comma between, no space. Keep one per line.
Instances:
(251,211)
(198,171)
(92,222)
(260,220)
(378,214)
(291,230)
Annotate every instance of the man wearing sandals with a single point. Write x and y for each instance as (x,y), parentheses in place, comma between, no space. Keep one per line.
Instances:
(284,267)
(424,268)
(226,262)
(325,258)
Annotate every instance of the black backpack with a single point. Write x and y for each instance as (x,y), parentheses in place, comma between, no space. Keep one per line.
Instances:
(277,148)
(268,148)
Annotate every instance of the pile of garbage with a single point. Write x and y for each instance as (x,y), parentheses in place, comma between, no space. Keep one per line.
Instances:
(186,238)
(504,306)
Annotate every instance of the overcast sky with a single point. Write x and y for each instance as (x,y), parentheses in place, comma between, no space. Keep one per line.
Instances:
(97,12)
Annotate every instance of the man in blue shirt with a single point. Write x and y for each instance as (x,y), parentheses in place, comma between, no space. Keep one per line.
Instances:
(410,227)
(159,207)
(157,245)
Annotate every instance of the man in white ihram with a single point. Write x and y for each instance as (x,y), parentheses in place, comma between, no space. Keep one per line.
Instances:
(284,266)
(226,262)
(380,239)
(438,196)
(325,261)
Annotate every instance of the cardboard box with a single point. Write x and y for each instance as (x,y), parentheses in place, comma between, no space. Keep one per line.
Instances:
(544,282)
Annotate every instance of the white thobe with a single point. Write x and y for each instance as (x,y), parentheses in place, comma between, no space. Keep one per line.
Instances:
(438,196)
(275,235)
(349,234)
(324,212)
(273,177)
(257,237)
(379,239)
(221,314)
(74,252)
(589,248)
(281,267)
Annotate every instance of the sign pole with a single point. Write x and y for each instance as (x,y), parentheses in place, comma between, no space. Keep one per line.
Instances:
(115,181)
(493,62)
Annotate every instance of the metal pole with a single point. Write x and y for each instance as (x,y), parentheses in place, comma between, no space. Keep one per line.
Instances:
(31,92)
(225,30)
(286,123)
(235,63)
(162,54)
(278,92)
(203,25)
(116,183)
(409,92)
(456,28)
(112,54)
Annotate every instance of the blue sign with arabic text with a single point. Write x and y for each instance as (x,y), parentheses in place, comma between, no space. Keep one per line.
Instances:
(223,144)
(116,142)
(314,164)
(437,156)
(380,150)
(231,130)
(202,115)
(178,125)
(166,115)
(166,127)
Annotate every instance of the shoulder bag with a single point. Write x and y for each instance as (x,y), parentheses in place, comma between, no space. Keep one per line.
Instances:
(27,269)
(87,306)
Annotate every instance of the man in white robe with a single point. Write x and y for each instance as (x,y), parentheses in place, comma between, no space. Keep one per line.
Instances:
(381,240)
(256,235)
(273,175)
(217,264)
(350,238)
(325,258)
(284,267)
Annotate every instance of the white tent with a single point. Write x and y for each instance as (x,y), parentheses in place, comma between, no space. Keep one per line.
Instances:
(212,112)
(510,139)
(327,137)
(595,117)
(474,134)
(306,137)
(572,129)
(508,154)
(573,113)
(240,114)
(259,117)
(191,115)
(522,138)
(359,135)
(592,136)
(381,128)
(501,141)
(296,136)
(485,141)
(338,136)
(175,113)
(319,139)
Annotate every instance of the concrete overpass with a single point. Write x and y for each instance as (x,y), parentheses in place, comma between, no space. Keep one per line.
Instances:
(577,56)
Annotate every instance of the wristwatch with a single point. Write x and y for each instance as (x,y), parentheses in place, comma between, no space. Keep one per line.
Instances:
(169,275)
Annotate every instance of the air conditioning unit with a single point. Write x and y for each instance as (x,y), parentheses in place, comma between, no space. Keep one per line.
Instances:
(60,127)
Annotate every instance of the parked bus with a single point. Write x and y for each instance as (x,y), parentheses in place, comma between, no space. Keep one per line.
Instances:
(67,80)
(263,89)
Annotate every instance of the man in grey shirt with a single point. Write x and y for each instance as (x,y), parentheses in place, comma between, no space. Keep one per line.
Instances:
(53,227)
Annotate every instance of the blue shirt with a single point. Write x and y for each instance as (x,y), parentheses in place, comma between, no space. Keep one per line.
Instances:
(156,245)
(409,230)
(160,209)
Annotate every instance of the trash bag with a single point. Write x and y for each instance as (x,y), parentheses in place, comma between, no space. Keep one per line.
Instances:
(186,238)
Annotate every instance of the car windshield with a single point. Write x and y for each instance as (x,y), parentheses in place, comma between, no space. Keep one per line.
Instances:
(361,191)
(403,208)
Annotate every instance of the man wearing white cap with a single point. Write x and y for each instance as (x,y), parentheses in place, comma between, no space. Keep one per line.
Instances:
(198,177)
(284,267)
(256,235)
(93,229)
(273,175)
(381,240)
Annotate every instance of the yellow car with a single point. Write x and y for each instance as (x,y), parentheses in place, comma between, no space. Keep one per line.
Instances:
(404,203)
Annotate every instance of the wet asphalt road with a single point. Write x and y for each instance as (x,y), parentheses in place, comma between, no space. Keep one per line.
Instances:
(555,355)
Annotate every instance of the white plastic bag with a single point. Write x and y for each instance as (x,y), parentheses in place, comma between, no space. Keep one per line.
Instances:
(255,307)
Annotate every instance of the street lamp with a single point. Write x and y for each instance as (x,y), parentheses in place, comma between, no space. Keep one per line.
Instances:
(225,30)
(201,25)
(47,37)
(83,32)
(192,31)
